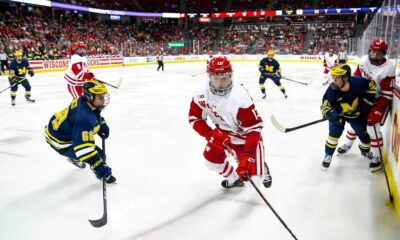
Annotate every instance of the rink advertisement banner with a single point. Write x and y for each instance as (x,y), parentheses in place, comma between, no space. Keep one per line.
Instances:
(392,148)
(63,63)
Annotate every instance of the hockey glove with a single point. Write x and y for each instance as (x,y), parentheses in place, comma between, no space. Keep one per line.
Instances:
(104,129)
(88,76)
(13,80)
(247,166)
(334,117)
(375,116)
(218,139)
(101,169)
(31,73)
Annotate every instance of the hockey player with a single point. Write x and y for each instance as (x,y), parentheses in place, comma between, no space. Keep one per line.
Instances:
(237,124)
(70,132)
(376,67)
(348,99)
(270,68)
(330,60)
(77,73)
(19,67)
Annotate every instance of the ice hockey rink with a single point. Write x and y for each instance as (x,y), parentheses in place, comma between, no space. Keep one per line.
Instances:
(164,189)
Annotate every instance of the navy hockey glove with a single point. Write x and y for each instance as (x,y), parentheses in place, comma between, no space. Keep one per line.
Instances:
(31,73)
(101,169)
(104,129)
(335,117)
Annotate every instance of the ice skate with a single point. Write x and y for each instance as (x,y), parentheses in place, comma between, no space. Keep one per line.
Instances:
(237,183)
(77,163)
(343,149)
(376,164)
(327,161)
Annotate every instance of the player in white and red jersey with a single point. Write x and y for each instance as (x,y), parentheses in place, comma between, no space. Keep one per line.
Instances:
(375,66)
(237,124)
(330,60)
(77,73)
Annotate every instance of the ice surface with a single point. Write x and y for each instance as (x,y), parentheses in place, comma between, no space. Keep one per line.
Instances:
(164,190)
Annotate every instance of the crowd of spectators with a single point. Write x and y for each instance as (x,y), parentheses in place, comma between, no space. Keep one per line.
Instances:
(203,38)
(330,35)
(43,35)
(52,36)
(283,39)
(238,39)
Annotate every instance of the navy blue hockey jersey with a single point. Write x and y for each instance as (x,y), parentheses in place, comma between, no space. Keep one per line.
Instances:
(270,66)
(356,102)
(75,126)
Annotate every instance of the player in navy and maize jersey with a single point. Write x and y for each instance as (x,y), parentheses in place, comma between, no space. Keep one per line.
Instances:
(19,67)
(347,99)
(270,68)
(71,131)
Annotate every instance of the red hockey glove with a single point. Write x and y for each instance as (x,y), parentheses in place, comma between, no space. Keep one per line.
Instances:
(375,116)
(88,76)
(247,166)
(218,139)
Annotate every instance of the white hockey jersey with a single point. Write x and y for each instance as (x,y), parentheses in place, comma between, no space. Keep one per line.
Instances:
(330,61)
(77,70)
(233,113)
(383,75)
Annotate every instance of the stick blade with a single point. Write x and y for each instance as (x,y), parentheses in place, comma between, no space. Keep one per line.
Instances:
(119,82)
(277,125)
(99,222)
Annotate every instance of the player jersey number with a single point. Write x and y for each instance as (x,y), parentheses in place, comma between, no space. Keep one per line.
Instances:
(87,136)
(59,118)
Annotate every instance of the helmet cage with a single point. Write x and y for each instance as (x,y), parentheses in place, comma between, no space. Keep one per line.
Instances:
(224,79)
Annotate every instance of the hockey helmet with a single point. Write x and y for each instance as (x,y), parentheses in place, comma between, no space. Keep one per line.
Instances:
(93,88)
(377,51)
(74,48)
(77,45)
(220,71)
(379,45)
(271,52)
(343,71)
(18,54)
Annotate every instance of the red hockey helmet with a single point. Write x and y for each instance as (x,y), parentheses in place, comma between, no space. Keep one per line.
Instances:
(377,52)
(220,71)
(219,65)
(379,45)
(77,45)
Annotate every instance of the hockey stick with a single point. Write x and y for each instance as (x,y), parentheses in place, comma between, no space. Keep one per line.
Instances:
(12,85)
(281,128)
(108,84)
(288,79)
(103,220)
(196,74)
(390,199)
(233,155)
